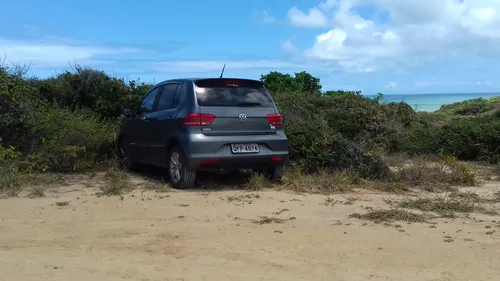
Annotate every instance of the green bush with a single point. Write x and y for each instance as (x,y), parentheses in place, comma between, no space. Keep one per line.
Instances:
(68,122)
(92,90)
(332,132)
(470,139)
(67,141)
(16,107)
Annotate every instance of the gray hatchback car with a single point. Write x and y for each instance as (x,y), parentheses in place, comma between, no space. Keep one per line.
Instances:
(188,125)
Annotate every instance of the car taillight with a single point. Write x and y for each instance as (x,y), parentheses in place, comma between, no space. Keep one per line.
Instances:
(275,119)
(197,119)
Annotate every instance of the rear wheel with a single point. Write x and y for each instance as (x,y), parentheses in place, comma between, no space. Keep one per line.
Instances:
(274,173)
(181,176)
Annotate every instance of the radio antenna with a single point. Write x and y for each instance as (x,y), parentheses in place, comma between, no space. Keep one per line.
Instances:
(222,73)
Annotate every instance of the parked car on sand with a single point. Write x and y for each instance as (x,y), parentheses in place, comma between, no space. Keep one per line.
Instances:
(188,125)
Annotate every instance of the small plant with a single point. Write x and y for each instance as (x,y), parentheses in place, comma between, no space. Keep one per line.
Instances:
(391,215)
(257,181)
(157,186)
(267,220)
(36,192)
(62,203)
(115,183)
(246,197)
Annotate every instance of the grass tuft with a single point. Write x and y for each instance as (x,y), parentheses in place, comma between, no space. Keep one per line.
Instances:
(13,181)
(436,176)
(62,203)
(445,206)
(257,181)
(324,182)
(157,186)
(391,215)
(268,220)
(115,183)
(37,192)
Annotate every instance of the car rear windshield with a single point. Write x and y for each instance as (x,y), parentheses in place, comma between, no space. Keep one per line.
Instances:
(224,92)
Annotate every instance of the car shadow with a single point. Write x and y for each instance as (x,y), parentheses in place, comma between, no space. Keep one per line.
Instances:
(205,181)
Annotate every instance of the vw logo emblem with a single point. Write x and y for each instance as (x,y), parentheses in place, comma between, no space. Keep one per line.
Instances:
(243,117)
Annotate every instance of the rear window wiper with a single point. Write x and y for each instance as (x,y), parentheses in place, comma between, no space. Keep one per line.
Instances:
(249,104)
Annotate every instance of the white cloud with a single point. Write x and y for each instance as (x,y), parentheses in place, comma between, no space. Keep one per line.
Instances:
(266,18)
(313,18)
(203,66)
(485,82)
(56,54)
(391,85)
(413,32)
(289,47)
(53,53)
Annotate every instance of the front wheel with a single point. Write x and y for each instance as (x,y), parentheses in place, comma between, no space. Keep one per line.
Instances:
(181,176)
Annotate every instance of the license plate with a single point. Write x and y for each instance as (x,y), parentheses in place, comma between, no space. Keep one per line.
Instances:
(245,148)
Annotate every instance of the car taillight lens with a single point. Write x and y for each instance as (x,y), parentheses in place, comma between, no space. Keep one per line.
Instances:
(275,119)
(197,119)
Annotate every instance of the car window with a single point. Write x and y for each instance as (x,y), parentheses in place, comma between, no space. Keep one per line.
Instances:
(231,93)
(178,95)
(167,97)
(149,101)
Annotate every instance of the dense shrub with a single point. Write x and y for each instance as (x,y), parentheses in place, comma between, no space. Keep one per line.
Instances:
(471,107)
(332,131)
(16,107)
(92,90)
(66,140)
(470,139)
(68,123)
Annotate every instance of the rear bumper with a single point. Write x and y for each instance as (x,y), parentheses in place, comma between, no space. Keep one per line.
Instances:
(210,152)
(241,162)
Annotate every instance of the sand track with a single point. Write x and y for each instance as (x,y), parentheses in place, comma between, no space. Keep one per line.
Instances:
(183,235)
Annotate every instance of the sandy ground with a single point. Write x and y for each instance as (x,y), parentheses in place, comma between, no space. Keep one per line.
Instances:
(200,235)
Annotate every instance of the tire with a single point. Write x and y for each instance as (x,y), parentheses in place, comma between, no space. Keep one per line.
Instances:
(274,173)
(181,177)
(125,158)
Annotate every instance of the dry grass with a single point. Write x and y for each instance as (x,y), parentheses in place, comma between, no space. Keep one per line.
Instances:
(391,215)
(13,181)
(36,192)
(267,220)
(157,186)
(257,181)
(116,182)
(445,206)
(244,197)
(62,203)
(436,176)
(323,182)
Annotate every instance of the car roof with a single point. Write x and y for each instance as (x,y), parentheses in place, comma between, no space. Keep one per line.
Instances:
(202,78)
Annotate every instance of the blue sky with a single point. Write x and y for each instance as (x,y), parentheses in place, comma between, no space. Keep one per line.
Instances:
(389,46)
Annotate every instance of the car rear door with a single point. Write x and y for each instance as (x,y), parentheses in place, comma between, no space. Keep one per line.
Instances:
(240,107)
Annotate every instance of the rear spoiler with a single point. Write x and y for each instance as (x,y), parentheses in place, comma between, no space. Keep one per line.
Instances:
(228,82)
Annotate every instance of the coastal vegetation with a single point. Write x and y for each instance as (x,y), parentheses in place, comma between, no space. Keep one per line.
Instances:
(67,124)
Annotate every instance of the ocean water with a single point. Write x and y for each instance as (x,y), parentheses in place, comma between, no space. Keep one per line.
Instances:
(432,102)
